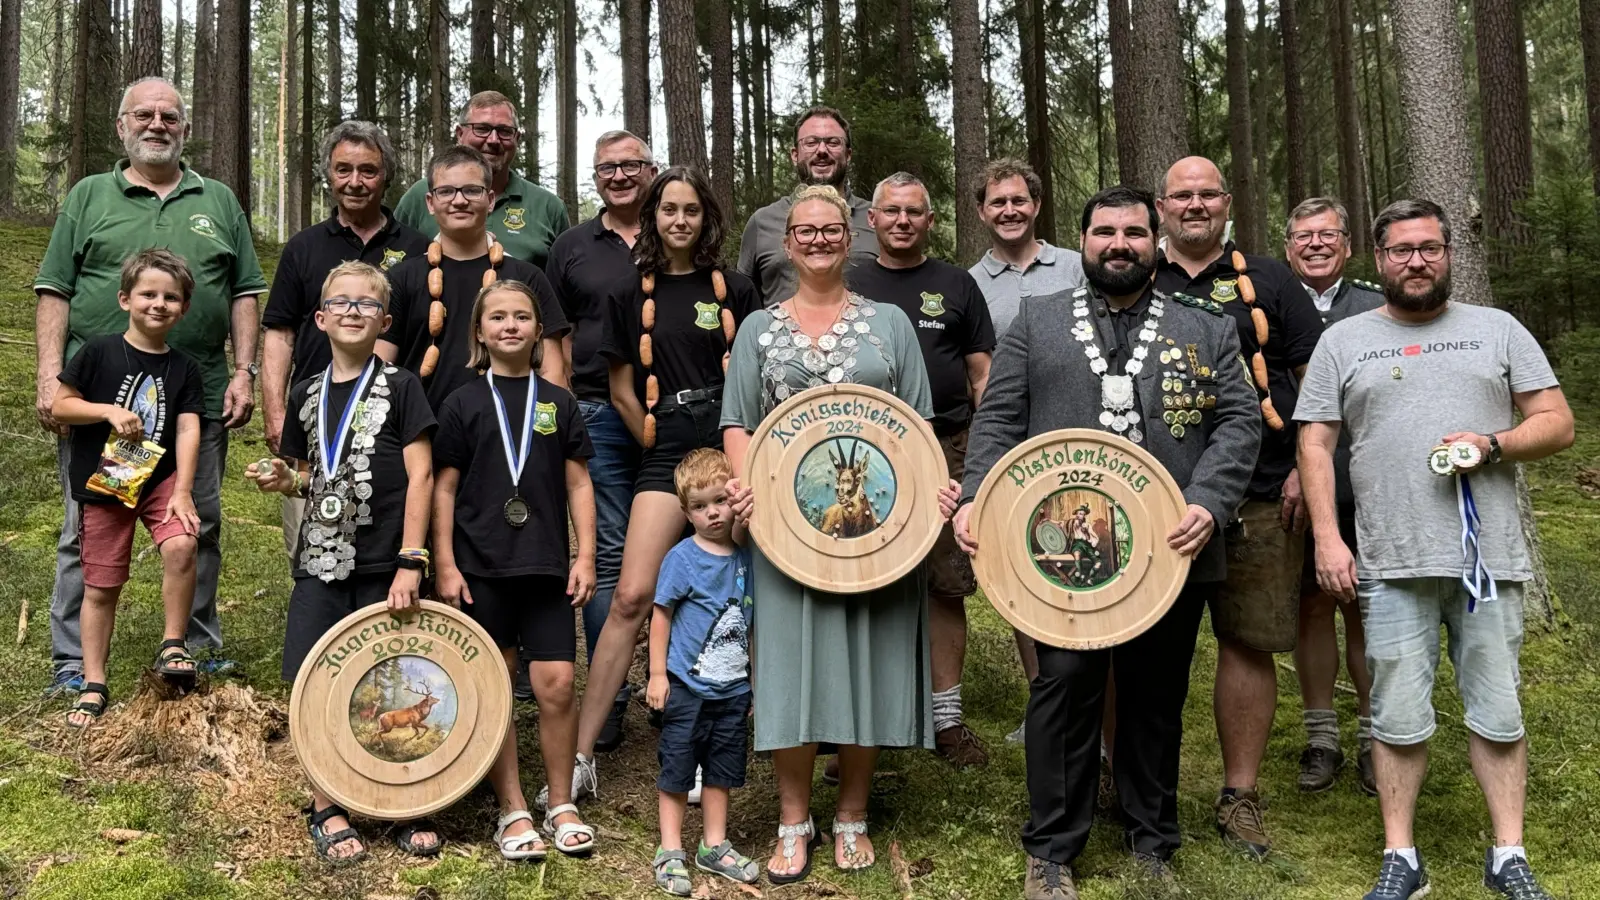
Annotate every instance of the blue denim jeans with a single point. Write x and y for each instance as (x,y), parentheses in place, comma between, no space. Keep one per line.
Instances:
(612,470)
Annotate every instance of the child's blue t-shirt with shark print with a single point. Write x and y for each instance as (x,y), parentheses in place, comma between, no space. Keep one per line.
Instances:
(709,596)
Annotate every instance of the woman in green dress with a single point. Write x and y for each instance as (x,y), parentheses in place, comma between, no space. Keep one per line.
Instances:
(844,669)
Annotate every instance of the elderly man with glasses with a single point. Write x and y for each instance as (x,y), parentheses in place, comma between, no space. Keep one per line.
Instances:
(525,217)
(151,198)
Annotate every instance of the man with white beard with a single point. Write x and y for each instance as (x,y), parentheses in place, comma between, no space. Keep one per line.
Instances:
(151,198)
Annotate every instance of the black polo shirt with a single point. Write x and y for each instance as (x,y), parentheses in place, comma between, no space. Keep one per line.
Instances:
(1293,329)
(307,259)
(587,263)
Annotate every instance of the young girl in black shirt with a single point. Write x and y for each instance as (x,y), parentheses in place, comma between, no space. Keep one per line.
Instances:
(510,462)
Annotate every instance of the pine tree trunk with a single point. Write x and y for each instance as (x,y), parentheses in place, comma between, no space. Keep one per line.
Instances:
(970,121)
(1589,26)
(567,120)
(721,40)
(94,92)
(1241,150)
(308,111)
(762,55)
(1160,121)
(145,57)
(1262,98)
(367,59)
(1294,107)
(636,67)
(439,131)
(680,74)
(741,56)
(1123,95)
(282,169)
(1036,108)
(230,140)
(480,66)
(1507,127)
(864,35)
(1433,102)
(335,62)
(177,48)
(290,171)
(1347,119)
(1376,186)
(905,42)
(832,46)
(532,88)
(10,78)
(205,67)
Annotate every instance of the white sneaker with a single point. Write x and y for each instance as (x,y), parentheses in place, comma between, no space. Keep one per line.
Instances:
(1016,737)
(694,793)
(585,783)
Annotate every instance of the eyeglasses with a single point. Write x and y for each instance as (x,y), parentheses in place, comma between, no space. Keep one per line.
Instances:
(170,118)
(812,143)
(808,234)
(1183,198)
(1325,235)
(367,307)
(628,167)
(445,193)
(484,129)
(894,212)
(1402,255)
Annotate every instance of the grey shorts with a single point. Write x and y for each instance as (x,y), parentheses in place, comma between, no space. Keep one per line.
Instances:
(1402,619)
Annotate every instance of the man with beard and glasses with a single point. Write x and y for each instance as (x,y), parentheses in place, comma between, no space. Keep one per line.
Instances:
(821,155)
(358,162)
(1256,614)
(1317,245)
(1042,381)
(526,218)
(1440,539)
(585,263)
(151,198)
(951,320)
(1017,264)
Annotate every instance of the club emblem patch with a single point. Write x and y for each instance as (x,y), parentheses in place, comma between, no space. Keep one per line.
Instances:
(544,418)
(200,224)
(516,218)
(1225,291)
(390,257)
(707,316)
(932,304)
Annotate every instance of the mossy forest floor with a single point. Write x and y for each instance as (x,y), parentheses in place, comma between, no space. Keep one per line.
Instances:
(210,811)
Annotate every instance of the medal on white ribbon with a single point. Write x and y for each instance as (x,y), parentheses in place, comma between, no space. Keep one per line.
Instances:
(515,509)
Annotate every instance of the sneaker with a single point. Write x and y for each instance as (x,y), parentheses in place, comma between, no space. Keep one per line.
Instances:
(1398,881)
(699,782)
(585,783)
(1369,775)
(960,747)
(521,686)
(1048,881)
(1318,769)
(1240,823)
(1515,879)
(611,736)
(66,681)
(1018,736)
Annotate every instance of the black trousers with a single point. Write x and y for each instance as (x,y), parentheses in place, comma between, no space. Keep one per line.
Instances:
(1063,736)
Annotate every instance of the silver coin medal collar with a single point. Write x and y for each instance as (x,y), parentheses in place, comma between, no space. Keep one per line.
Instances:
(829,358)
(341,487)
(1116,391)
(516,509)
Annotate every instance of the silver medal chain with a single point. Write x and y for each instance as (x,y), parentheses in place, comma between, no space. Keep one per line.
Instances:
(1116,391)
(328,551)
(829,358)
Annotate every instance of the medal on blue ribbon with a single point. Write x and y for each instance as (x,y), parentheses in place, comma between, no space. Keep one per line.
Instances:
(515,509)
(1475,575)
(330,506)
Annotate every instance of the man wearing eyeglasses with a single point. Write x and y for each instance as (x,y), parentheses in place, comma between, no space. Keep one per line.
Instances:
(1317,245)
(358,162)
(586,261)
(957,340)
(526,218)
(1440,537)
(151,198)
(821,155)
(1256,614)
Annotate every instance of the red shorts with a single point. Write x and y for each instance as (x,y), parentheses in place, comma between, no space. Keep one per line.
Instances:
(105,534)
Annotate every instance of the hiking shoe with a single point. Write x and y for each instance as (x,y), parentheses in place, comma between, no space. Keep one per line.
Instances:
(585,783)
(1240,823)
(1048,881)
(1515,879)
(1156,871)
(66,681)
(611,736)
(1369,775)
(960,747)
(1019,736)
(1398,881)
(1318,769)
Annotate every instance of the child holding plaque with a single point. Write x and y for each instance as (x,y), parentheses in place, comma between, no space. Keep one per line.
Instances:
(134,405)
(358,433)
(700,673)
(512,461)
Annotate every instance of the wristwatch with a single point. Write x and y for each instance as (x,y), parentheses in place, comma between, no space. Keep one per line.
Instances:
(253,369)
(1494,449)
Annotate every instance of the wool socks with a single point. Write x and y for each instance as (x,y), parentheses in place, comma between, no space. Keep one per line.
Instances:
(947,708)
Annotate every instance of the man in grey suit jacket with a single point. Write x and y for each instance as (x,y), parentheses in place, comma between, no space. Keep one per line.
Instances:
(1194,408)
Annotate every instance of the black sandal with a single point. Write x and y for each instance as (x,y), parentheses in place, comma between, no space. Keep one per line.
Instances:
(403,839)
(325,841)
(166,667)
(94,708)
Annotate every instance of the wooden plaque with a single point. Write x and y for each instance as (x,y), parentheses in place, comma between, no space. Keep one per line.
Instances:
(398,715)
(1072,538)
(846,481)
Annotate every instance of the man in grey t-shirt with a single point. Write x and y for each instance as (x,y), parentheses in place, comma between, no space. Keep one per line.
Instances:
(1417,373)
(1018,264)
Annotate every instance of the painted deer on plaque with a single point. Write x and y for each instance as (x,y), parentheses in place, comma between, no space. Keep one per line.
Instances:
(410,716)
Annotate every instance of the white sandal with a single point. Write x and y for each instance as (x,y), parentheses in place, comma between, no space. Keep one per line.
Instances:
(569,829)
(516,847)
(849,831)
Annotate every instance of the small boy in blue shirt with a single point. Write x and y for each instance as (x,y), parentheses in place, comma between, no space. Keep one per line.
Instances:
(700,673)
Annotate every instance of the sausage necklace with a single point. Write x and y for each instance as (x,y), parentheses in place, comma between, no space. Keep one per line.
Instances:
(436,310)
(647,319)
(1258,363)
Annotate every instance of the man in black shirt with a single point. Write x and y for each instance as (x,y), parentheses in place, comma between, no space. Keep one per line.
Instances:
(1256,613)
(585,264)
(953,327)
(358,161)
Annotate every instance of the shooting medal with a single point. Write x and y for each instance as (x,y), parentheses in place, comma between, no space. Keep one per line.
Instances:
(515,509)
(336,506)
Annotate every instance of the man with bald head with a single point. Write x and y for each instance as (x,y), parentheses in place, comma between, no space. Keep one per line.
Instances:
(1256,614)
(150,199)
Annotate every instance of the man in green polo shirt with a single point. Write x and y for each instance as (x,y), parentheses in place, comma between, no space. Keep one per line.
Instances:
(151,199)
(526,218)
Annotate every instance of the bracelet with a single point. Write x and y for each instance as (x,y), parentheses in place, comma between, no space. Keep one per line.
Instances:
(415,552)
(412,562)
(299,485)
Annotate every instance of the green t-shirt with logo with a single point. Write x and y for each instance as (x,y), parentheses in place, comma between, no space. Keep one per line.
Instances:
(107,218)
(526,218)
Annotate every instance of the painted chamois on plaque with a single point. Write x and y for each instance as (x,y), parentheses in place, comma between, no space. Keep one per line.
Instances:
(851,516)
(410,716)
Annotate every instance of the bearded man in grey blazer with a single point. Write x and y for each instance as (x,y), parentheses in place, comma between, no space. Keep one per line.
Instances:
(1066,362)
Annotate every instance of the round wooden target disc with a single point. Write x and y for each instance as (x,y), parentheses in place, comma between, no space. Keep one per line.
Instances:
(1071,529)
(846,481)
(398,715)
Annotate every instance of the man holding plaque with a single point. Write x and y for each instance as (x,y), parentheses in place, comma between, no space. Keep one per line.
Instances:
(1162,370)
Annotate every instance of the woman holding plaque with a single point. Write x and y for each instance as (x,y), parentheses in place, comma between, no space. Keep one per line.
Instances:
(851,670)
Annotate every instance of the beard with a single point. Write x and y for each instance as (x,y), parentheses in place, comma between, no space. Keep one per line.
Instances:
(1196,241)
(1435,297)
(140,152)
(1118,283)
(802,173)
